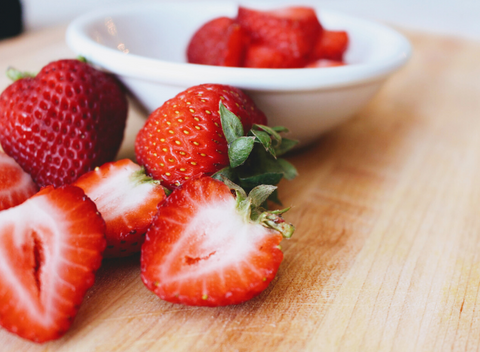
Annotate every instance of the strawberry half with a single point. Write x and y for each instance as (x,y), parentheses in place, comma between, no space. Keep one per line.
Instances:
(51,246)
(184,137)
(219,42)
(127,200)
(15,184)
(292,31)
(208,247)
(63,122)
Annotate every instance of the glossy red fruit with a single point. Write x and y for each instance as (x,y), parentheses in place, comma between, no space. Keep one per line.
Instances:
(331,45)
(292,30)
(264,56)
(202,250)
(64,122)
(127,200)
(184,137)
(16,185)
(219,42)
(51,246)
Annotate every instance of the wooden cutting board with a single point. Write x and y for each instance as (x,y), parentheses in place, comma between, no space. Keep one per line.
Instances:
(387,250)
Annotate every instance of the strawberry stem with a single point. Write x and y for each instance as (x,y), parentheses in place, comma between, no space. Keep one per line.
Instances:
(276,222)
(15,74)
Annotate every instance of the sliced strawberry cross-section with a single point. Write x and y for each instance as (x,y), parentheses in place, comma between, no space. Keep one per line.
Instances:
(127,199)
(207,247)
(50,247)
(15,184)
(219,42)
(292,30)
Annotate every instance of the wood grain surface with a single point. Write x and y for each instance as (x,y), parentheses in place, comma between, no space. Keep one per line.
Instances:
(386,253)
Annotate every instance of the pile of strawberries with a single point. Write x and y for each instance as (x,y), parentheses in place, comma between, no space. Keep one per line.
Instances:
(286,38)
(194,205)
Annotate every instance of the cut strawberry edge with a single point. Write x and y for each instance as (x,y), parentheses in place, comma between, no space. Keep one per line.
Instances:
(219,42)
(127,199)
(291,30)
(202,251)
(16,185)
(52,245)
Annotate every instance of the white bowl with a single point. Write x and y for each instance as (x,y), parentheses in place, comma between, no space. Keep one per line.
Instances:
(145,46)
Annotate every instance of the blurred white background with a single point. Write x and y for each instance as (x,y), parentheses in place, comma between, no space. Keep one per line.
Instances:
(454,17)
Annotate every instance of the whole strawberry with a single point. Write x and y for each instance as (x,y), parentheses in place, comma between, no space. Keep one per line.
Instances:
(184,137)
(63,122)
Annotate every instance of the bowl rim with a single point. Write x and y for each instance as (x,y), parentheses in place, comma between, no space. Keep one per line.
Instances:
(187,74)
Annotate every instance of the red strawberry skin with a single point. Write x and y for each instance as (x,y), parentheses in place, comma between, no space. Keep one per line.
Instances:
(264,56)
(15,184)
(184,138)
(219,42)
(51,246)
(64,122)
(127,200)
(292,30)
(200,252)
(331,45)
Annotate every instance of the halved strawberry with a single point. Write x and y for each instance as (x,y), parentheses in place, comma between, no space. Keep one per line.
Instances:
(331,45)
(50,247)
(292,30)
(219,42)
(127,199)
(15,184)
(208,247)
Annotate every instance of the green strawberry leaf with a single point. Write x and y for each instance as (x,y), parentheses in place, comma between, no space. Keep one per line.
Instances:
(260,194)
(265,140)
(285,146)
(226,172)
(270,178)
(275,136)
(280,129)
(15,74)
(289,171)
(239,150)
(231,124)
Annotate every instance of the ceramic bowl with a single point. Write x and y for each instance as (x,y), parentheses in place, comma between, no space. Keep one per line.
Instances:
(145,46)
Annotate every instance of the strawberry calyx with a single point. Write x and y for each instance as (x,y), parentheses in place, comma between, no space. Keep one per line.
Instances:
(251,208)
(140,177)
(254,156)
(15,74)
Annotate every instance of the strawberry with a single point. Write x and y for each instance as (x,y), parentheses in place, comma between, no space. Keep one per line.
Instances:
(127,200)
(292,30)
(15,184)
(51,246)
(264,56)
(207,247)
(331,45)
(63,122)
(219,42)
(184,137)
